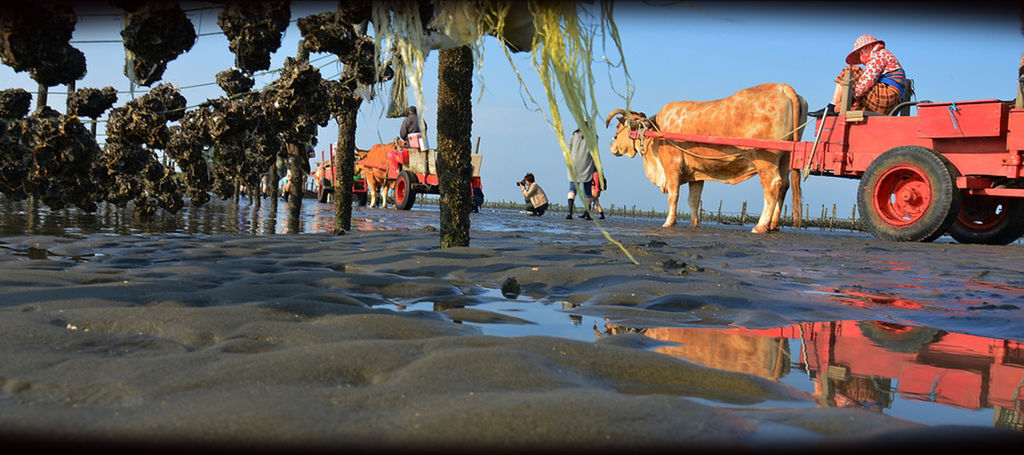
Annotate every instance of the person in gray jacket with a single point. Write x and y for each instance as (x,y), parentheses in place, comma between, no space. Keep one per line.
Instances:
(585,168)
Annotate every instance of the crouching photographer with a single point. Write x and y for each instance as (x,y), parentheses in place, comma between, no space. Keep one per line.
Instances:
(535,197)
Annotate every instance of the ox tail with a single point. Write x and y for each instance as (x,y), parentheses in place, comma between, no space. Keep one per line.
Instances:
(800,111)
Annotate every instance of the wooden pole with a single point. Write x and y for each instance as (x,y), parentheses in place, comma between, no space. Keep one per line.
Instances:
(296,153)
(454,153)
(70,90)
(743,214)
(844,105)
(41,96)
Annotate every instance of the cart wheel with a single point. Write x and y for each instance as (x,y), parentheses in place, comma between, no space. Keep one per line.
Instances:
(361,199)
(404,193)
(908,194)
(898,337)
(321,191)
(991,220)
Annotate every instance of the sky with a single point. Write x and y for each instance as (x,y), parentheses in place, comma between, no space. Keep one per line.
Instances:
(674,51)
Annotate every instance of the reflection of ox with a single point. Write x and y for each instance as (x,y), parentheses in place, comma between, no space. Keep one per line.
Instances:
(373,165)
(767,111)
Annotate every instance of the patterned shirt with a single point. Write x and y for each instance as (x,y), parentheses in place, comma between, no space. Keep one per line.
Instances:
(881,62)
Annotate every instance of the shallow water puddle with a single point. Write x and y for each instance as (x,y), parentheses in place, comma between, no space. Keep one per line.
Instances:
(911,372)
(916,373)
(523,317)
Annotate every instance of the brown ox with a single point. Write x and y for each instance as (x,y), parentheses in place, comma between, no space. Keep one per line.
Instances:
(374,168)
(767,111)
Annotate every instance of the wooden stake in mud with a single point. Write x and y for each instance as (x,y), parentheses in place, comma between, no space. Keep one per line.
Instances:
(743,214)
(719,218)
(454,133)
(296,153)
(344,154)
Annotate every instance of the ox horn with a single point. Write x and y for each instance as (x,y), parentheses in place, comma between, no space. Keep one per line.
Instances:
(608,120)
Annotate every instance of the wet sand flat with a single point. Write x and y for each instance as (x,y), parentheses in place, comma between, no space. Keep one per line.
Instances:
(293,341)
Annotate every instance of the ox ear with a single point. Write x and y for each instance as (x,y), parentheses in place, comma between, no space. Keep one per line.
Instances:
(637,119)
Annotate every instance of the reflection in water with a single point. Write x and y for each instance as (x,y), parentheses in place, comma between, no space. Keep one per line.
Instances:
(215,217)
(867,364)
(248,218)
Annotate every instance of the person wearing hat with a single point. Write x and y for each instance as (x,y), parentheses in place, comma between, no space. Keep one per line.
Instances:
(878,86)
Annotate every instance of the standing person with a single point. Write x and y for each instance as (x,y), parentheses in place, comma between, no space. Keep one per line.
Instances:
(597,185)
(534,195)
(878,87)
(478,199)
(583,164)
(286,185)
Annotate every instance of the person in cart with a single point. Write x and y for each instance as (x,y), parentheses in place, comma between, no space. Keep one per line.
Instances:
(411,125)
(878,86)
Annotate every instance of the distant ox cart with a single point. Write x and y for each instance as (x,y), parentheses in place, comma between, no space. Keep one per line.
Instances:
(407,168)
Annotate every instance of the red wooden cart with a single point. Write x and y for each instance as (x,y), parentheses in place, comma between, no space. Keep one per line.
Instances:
(324,185)
(417,172)
(954,168)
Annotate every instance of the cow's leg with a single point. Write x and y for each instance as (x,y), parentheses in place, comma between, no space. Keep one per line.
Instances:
(693,197)
(371,187)
(771,183)
(777,209)
(673,203)
(794,178)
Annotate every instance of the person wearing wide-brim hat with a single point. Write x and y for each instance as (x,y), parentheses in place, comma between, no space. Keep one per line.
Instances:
(878,86)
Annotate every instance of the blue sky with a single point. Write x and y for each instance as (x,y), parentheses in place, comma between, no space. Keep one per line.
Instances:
(674,51)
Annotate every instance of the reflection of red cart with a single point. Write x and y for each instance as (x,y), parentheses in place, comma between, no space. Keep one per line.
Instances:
(862,363)
(955,168)
(417,172)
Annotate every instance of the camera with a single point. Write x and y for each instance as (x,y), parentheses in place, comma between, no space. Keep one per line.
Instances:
(521,183)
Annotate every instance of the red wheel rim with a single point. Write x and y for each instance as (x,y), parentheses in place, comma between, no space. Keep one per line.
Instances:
(400,191)
(902,195)
(982,213)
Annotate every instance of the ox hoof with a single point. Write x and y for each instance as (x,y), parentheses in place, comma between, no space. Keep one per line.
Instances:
(667,224)
(759,230)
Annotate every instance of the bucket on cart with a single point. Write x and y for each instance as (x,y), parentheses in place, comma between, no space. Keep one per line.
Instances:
(418,141)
